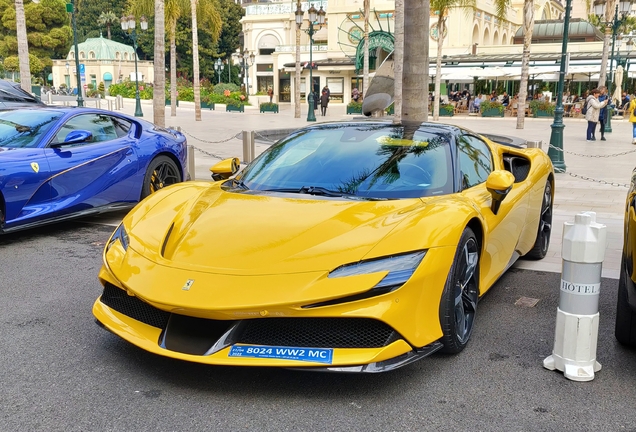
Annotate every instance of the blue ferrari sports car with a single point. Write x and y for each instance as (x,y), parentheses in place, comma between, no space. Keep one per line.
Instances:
(58,163)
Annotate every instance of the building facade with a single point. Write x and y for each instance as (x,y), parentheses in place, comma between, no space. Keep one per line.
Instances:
(104,61)
(269,31)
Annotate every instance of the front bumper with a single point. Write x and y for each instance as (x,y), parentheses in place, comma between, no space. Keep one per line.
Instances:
(375,334)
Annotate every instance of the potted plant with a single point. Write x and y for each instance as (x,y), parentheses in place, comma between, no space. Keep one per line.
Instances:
(206,102)
(491,109)
(541,108)
(446,110)
(390,110)
(354,107)
(268,107)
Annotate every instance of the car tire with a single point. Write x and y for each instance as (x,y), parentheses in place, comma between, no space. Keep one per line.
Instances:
(542,242)
(458,306)
(161,172)
(625,330)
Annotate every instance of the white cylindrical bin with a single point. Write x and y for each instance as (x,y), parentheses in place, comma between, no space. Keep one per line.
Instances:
(576,334)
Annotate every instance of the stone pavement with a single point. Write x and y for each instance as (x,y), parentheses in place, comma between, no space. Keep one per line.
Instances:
(219,134)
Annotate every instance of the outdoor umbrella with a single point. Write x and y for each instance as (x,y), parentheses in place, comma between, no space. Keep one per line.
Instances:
(618,80)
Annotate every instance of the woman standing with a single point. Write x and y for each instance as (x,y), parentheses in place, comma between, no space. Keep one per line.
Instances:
(593,107)
(324,101)
(632,118)
(602,118)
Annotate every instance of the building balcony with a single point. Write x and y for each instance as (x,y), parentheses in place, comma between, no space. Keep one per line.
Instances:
(304,48)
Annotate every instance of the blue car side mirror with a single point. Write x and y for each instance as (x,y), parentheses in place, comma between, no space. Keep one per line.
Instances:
(77,136)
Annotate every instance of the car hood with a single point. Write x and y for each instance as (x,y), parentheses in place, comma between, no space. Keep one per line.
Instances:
(247,233)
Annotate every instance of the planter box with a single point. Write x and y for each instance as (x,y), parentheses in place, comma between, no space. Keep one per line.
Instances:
(354,110)
(237,108)
(207,105)
(444,113)
(268,108)
(541,113)
(168,103)
(492,112)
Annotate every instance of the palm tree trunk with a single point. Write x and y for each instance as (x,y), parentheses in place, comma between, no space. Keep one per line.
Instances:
(23,47)
(609,17)
(108,30)
(196,80)
(365,68)
(441,24)
(297,72)
(415,73)
(398,58)
(159,91)
(528,24)
(173,68)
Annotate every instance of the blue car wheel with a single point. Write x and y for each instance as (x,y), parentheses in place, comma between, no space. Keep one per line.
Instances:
(161,172)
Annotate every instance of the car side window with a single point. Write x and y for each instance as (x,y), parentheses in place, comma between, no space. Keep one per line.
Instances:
(122,127)
(475,160)
(100,125)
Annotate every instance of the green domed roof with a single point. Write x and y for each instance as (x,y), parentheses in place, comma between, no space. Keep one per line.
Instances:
(103,49)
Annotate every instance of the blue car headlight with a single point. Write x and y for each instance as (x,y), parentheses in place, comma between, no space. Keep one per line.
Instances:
(399,267)
(121,235)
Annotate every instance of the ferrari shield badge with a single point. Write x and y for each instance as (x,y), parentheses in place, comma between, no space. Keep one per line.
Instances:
(187,285)
(35,166)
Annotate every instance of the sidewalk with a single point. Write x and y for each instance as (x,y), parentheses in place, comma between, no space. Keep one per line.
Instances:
(572,194)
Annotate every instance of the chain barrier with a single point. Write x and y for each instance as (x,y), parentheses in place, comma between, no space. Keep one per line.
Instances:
(582,177)
(209,142)
(592,156)
(212,155)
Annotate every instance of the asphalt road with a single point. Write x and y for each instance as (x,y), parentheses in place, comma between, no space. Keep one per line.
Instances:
(60,371)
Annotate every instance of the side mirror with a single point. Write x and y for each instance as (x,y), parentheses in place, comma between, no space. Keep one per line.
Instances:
(499,183)
(75,137)
(225,169)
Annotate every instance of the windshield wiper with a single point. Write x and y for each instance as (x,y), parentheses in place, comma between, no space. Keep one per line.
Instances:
(311,190)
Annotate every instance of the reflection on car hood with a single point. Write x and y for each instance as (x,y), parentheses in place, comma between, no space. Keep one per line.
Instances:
(241,233)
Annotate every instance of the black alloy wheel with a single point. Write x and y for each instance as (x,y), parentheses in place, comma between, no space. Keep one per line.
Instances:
(458,307)
(161,172)
(542,243)
(625,329)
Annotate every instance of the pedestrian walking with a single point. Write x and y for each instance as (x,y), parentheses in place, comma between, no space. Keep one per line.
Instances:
(270,93)
(593,107)
(632,118)
(602,117)
(355,94)
(324,102)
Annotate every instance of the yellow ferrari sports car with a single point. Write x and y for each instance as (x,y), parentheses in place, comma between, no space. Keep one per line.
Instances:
(352,247)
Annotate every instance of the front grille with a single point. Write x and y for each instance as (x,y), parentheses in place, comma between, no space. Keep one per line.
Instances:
(317,332)
(118,300)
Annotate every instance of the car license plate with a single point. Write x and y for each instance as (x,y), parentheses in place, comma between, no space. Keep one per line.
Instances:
(319,355)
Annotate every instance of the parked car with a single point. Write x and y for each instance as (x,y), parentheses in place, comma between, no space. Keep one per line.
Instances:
(12,96)
(626,308)
(58,163)
(356,247)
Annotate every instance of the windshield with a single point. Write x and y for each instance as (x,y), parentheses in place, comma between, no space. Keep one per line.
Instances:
(366,161)
(25,128)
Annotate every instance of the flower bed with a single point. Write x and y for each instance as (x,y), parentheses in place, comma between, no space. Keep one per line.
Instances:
(354,108)
(268,107)
(491,109)
(234,107)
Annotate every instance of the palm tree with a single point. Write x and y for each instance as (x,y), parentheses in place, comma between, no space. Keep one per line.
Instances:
(297,71)
(528,25)
(415,76)
(107,19)
(398,58)
(365,67)
(208,10)
(442,9)
(23,46)
(159,91)
(609,17)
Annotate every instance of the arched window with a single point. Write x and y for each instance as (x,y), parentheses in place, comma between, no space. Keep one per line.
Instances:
(91,55)
(117,55)
(125,56)
(82,55)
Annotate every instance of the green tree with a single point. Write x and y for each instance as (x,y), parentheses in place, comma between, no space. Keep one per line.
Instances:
(108,19)
(442,9)
(88,13)
(231,14)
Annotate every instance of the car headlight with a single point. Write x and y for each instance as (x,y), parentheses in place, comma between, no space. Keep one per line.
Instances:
(121,235)
(399,267)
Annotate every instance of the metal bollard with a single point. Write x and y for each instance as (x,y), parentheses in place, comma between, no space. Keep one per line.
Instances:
(110,104)
(576,333)
(49,97)
(191,165)
(248,146)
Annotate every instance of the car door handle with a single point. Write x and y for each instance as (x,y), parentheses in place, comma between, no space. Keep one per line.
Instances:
(129,152)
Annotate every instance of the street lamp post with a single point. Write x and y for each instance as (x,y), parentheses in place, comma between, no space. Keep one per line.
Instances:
(218,68)
(315,17)
(248,60)
(67,81)
(70,8)
(555,152)
(128,25)
(599,10)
